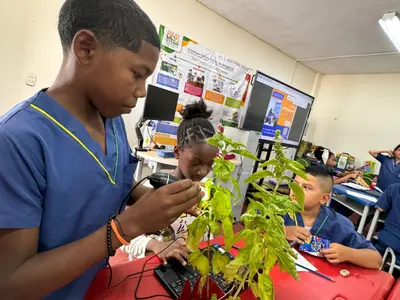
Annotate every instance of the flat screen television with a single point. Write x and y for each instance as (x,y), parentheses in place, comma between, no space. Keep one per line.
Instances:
(274,105)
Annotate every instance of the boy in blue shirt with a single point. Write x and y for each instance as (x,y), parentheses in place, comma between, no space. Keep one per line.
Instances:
(317,219)
(66,165)
(389,236)
(389,172)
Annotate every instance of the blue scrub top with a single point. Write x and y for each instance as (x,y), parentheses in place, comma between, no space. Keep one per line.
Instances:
(390,203)
(389,172)
(54,175)
(334,227)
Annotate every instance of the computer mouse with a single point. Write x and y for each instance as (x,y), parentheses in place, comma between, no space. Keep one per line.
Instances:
(158,180)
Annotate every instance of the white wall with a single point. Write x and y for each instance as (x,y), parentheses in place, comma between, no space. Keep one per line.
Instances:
(355,113)
(32,45)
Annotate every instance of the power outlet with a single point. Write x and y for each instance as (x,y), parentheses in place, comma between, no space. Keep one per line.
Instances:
(31,79)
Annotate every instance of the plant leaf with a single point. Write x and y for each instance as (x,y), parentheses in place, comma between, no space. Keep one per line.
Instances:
(259,206)
(237,188)
(196,232)
(258,175)
(202,265)
(293,166)
(228,233)
(271,162)
(286,263)
(255,289)
(221,205)
(266,287)
(245,153)
(219,262)
(270,260)
(298,192)
(193,257)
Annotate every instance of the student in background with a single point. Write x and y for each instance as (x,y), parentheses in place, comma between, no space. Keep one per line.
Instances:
(389,236)
(317,219)
(195,159)
(326,158)
(390,166)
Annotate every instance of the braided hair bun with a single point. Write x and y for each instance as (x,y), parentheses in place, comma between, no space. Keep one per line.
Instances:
(195,126)
(196,110)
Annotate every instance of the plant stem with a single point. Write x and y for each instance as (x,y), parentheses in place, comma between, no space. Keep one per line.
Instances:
(209,259)
(242,284)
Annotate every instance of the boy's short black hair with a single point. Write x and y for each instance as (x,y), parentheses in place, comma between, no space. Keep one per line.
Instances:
(116,23)
(323,176)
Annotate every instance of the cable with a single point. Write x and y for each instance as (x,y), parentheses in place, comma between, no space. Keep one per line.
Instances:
(141,275)
(130,192)
(151,135)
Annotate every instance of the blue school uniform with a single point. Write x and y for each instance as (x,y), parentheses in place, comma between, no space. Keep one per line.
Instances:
(334,227)
(389,172)
(54,175)
(390,203)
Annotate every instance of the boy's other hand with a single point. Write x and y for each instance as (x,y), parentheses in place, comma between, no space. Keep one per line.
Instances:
(297,233)
(177,249)
(336,253)
(160,208)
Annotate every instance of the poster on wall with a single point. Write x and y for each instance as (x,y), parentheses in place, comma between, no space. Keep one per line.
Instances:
(280,114)
(195,72)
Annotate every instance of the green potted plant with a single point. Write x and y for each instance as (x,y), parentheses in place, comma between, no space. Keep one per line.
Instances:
(263,232)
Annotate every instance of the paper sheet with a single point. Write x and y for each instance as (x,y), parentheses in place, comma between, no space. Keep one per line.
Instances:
(304,262)
(362,196)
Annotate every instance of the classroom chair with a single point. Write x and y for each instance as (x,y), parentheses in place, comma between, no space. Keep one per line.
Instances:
(393,263)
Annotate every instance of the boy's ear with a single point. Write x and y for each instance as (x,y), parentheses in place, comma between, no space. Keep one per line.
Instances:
(177,152)
(325,198)
(85,45)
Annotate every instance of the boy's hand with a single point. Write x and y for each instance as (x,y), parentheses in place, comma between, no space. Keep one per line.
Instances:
(297,233)
(336,253)
(160,208)
(177,250)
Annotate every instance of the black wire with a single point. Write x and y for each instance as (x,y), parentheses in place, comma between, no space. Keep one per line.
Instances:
(128,276)
(141,275)
(151,135)
(119,211)
(130,192)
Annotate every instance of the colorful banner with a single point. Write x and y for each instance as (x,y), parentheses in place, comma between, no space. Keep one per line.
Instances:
(280,114)
(196,72)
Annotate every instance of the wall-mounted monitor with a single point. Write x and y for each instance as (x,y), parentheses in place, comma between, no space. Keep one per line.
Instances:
(274,106)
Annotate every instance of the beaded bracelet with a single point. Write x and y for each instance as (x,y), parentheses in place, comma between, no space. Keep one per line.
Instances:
(111,251)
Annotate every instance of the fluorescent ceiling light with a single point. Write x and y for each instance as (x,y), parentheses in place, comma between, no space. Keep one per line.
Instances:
(390,23)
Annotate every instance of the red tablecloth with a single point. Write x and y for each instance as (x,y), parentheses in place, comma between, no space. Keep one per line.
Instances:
(362,284)
(395,293)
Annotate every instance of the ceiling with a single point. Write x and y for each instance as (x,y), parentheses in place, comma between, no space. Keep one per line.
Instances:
(312,30)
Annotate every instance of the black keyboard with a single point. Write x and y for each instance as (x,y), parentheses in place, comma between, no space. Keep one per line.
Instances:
(174,275)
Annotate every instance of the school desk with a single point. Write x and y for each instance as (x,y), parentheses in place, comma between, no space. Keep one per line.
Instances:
(353,200)
(395,292)
(361,284)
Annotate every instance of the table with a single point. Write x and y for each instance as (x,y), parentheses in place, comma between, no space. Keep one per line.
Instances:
(158,162)
(395,293)
(359,205)
(362,284)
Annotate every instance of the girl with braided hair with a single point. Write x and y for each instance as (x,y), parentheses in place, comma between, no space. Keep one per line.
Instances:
(195,159)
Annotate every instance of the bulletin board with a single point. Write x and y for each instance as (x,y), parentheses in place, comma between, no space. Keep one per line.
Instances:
(194,72)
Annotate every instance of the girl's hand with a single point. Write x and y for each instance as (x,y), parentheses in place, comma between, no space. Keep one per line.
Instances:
(177,249)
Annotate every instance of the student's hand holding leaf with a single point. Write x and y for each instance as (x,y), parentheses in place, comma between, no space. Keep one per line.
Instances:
(297,233)
(160,208)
